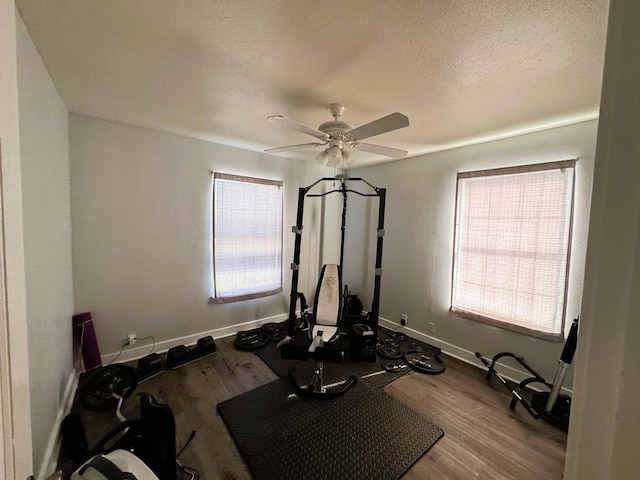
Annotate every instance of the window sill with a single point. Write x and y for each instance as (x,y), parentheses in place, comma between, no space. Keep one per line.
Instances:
(552,337)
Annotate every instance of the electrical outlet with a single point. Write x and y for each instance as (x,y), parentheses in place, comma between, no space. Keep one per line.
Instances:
(131,338)
(403,319)
(432,327)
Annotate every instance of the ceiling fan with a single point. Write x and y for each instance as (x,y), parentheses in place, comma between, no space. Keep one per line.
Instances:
(340,138)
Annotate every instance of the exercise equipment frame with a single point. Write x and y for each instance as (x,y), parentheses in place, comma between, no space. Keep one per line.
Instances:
(303,192)
(551,406)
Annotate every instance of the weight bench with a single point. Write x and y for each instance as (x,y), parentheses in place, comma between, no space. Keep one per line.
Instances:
(325,318)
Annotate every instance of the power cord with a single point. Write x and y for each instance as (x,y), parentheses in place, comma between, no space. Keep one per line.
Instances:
(153,347)
(398,328)
(193,434)
(119,353)
(153,340)
(192,472)
(195,475)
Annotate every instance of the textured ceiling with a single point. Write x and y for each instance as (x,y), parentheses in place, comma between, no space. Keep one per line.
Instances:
(461,70)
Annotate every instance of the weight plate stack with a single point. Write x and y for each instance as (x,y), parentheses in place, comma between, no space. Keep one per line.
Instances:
(251,339)
(391,352)
(393,367)
(424,362)
(276,336)
(272,327)
(398,336)
(97,391)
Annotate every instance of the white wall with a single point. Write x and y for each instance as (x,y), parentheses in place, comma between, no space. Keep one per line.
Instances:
(141,211)
(418,245)
(604,434)
(14,359)
(46,210)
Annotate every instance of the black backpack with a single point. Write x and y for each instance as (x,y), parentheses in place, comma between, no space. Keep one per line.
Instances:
(352,304)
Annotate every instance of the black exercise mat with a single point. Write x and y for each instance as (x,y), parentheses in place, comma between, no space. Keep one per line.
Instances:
(371,372)
(364,434)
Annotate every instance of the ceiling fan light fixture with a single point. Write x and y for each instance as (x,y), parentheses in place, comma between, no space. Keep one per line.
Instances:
(348,159)
(334,156)
(322,158)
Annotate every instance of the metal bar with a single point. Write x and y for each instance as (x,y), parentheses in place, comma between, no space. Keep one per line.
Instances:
(520,359)
(515,394)
(566,358)
(343,222)
(557,385)
(291,322)
(339,190)
(375,304)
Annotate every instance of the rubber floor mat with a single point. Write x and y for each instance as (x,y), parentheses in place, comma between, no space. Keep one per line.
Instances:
(365,434)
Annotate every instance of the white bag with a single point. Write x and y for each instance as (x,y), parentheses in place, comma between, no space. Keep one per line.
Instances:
(116,465)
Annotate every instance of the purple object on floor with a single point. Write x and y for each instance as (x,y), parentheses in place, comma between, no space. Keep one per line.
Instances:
(85,337)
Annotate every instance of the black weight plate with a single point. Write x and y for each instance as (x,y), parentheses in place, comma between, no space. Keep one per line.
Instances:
(416,346)
(251,340)
(271,327)
(423,363)
(390,342)
(398,336)
(389,351)
(393,367)
(96,391)
(276,336)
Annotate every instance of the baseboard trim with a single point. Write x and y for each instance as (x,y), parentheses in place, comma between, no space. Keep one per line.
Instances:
(136,352)
(508,372)
(450,349)
(49,462)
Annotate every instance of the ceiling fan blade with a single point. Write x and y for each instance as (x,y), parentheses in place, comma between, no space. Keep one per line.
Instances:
(380,150)
(285,122)
(293,147)
(389,123)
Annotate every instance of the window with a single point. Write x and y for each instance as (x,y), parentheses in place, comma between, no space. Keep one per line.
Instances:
(511,246)
(247,237)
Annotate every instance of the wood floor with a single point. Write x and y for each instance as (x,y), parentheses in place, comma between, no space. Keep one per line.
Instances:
(483,438)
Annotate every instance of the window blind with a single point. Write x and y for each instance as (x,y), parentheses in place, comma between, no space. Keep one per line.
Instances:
(512,245)
(247,237)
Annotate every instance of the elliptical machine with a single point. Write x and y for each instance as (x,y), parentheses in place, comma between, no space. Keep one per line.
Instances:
(551,406)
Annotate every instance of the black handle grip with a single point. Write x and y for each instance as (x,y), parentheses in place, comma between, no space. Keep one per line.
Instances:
(571,344)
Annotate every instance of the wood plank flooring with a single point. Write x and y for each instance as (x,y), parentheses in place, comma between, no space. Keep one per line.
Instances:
(483,438)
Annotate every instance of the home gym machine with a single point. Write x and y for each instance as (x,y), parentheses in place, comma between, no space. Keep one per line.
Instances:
(303,192)
(368,324)
(550,405)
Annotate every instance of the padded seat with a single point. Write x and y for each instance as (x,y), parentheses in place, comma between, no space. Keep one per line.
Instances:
(327,305)
(325,316)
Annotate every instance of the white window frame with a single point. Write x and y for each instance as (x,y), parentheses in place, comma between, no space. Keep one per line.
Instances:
(254,261)
(484,286)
